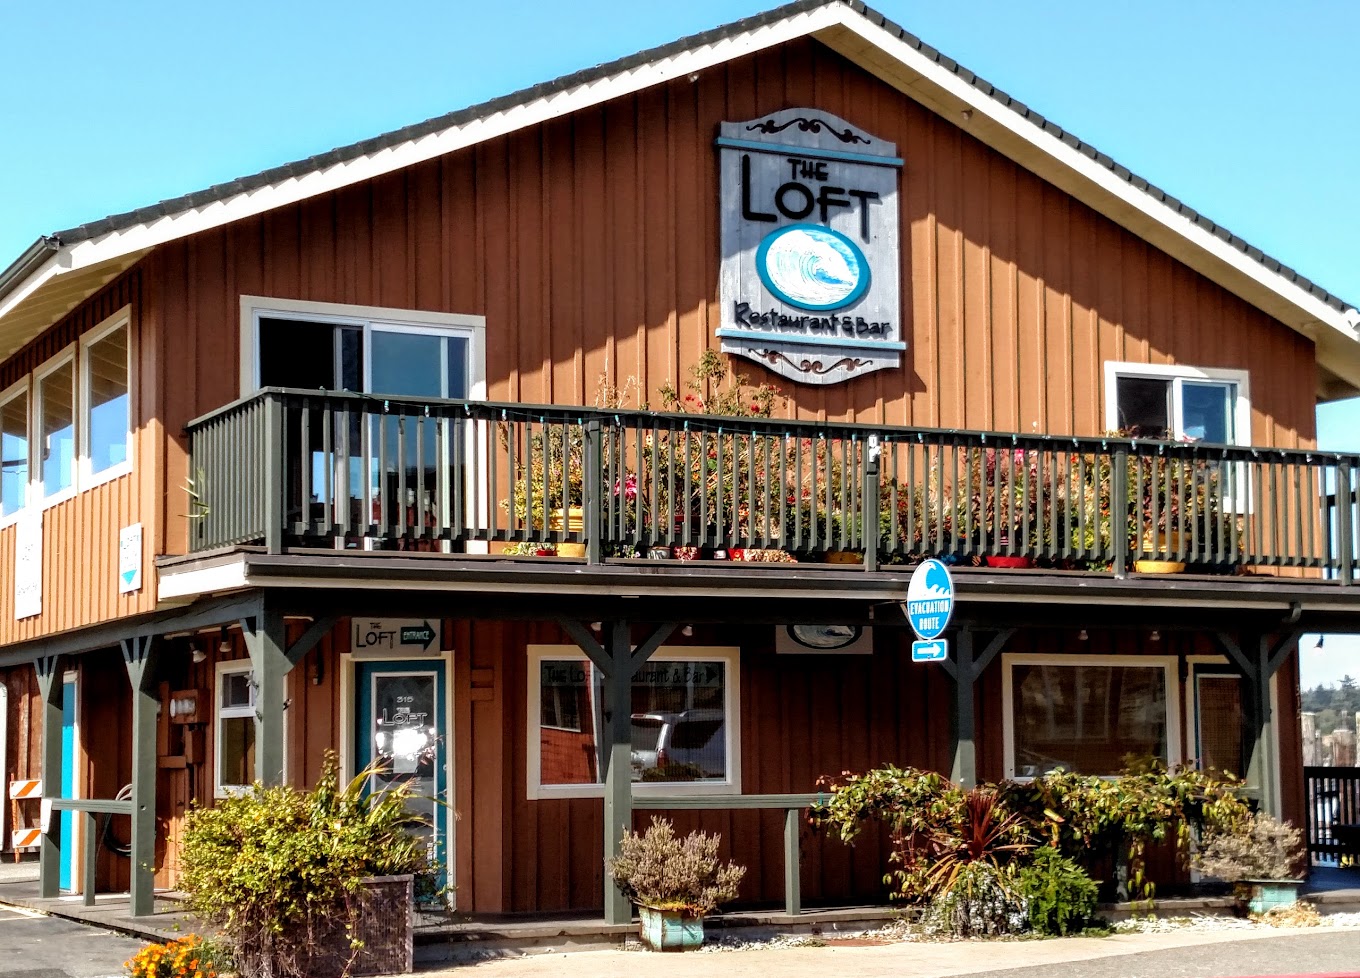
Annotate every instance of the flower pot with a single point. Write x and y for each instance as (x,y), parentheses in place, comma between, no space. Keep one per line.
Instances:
(660,553)
(844,557)
(670,930)
(1009,562)
(1258,896)
(575,524)
(687,553)
(720,554)
(1163,543)
(383,926)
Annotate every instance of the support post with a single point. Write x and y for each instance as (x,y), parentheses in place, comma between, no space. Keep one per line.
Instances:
(793,883)
(1261,730)
(1119,516)
(88,859)
(52,692)
(964,771)
(273,475)
(141,655)
(618,779)
(270,665)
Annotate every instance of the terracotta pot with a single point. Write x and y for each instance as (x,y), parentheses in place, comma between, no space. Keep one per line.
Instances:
(1161,543)
(660,553)
(1010,562)
(844,557)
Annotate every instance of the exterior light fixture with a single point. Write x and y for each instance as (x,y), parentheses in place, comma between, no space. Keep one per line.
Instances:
(1082,636)
(196,654)
(1319,641)
(687,631)
(224,641)
(1156,636)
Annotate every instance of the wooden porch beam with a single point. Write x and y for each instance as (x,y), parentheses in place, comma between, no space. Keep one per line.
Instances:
(315,632)
(141,655)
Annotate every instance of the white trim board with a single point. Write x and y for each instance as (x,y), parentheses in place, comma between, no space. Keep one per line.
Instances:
(864,41)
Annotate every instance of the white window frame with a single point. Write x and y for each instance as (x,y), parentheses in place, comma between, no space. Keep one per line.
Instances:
(25,389)
(729,655)
(88,478)
(254,308)
(1169,664)
(1177,374)
(233,667)
(35,441)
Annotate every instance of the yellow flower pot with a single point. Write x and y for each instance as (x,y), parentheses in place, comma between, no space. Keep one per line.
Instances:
(575,524)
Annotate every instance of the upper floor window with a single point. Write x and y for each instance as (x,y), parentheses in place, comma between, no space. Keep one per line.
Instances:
(14,451)
(1178,403)
(68,426)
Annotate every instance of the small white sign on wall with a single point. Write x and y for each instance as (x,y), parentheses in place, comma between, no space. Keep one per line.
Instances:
(130,559)
(28,565)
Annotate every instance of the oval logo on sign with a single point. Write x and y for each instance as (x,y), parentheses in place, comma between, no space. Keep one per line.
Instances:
(930,599)
(812,267)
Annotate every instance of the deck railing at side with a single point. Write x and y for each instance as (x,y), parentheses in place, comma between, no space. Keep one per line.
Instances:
(289,468)
(1331,799)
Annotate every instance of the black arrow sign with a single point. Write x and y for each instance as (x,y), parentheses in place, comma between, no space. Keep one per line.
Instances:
(422,635)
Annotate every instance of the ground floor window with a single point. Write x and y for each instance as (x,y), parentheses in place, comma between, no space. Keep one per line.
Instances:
(234,726)
(684,722)
(1088,714)
(1217,703)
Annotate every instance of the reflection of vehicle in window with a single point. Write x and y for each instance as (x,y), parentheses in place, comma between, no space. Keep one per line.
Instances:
(685,746)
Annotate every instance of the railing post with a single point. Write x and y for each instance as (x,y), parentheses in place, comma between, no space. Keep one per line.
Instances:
(51,695)
(1345,527)
(88,860)
(1119,512)
(793,893)
(870,503)
(273,470)
(592,485)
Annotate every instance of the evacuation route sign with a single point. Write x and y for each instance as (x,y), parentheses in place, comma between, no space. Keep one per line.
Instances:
(930,599)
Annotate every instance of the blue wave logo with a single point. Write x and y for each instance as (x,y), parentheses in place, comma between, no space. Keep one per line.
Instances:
(812,267)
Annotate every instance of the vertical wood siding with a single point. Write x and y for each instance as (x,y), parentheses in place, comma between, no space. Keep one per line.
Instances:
(590,245)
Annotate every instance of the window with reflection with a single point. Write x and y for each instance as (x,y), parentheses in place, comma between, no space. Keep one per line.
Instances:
(13,453)
(107,420)
(57,428)
(1089,718)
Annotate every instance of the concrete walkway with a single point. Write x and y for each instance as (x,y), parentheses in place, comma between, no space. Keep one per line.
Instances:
(1333,950)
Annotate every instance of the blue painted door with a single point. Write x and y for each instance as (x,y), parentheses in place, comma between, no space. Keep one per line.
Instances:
(68,781)
(400,730)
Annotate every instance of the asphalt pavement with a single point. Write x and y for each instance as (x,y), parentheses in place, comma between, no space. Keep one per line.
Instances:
(35,946)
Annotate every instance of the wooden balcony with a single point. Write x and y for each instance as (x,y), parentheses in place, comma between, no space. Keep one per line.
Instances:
(294,470)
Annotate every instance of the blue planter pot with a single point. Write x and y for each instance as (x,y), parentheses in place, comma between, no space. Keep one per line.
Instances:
(1262,895)
(668,930)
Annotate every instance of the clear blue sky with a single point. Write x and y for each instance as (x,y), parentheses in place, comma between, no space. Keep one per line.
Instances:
(1247,110)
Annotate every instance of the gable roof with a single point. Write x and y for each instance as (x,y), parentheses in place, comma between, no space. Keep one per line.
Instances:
(60,270)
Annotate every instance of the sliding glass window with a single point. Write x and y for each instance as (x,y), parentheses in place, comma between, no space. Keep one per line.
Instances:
(14,453)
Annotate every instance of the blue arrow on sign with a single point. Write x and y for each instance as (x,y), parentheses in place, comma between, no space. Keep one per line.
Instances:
(936,650)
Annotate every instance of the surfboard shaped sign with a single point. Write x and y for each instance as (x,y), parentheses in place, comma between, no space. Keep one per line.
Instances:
(930,600)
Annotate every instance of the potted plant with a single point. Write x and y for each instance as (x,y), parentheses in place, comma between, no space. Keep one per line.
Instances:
(1008,505)
(1258,857)
(676,882)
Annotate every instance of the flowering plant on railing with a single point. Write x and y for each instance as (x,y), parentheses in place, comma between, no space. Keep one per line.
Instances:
(1009,502)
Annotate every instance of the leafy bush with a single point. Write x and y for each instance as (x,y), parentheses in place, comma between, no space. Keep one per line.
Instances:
(1059,897)
(1260,848)
(979,902)
(276,868)
(188,957)
(660,870)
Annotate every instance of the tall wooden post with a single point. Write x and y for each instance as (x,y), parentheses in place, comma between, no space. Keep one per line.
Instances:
(52,691)
(1258,660)
(270,665)
(964,770)
(141,655)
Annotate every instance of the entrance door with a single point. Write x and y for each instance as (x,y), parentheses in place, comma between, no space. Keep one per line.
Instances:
(69,730)
(401,719)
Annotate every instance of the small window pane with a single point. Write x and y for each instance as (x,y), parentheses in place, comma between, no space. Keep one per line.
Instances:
(567,750)
(107,362)
(236,735)
(458,367)
(1207,412)
(688,701)
(58,429)
(297,353)
(1086,718)
(1220,725)
(1144,406)
(406,364)
(13,454)
(235,690)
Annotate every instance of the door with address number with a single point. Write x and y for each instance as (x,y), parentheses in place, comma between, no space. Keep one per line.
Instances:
(401,718)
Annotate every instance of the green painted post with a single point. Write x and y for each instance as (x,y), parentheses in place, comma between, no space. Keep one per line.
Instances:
(141,655)
(265,641)
(1261,767)
(52,692)
(964,772)
(793,883)
(89,859)
(618,781)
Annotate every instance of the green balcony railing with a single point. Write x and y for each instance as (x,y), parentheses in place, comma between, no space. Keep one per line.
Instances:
(289,469)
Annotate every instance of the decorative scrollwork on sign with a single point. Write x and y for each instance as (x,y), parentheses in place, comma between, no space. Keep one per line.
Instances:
(807,124)
(809,366)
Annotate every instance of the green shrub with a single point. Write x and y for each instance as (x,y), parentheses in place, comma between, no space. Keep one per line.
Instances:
(1059,897)
(276,868)
(980,901)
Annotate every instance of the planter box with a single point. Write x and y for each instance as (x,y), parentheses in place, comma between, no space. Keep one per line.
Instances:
(384,926)
(1262,895)
(668,930)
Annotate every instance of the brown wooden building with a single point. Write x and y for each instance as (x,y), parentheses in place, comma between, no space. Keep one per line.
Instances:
(264,448)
